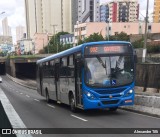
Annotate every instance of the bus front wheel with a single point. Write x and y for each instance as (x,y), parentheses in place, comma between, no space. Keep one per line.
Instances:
(113,109)
(72,103)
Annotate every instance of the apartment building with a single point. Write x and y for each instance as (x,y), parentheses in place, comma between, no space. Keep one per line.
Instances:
(119,11)
(86,29)
(5,27)
(85,11)
(42,15)
(20,30)
(156,13)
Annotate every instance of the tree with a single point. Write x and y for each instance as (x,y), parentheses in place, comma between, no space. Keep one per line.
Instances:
(119,37)
(54,43)
(138,43)
(92,38)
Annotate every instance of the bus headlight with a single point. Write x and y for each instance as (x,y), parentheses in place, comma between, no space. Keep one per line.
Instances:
(131,91)
(89,95)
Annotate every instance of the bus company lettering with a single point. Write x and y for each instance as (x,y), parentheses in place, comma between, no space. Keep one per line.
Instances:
(112,49)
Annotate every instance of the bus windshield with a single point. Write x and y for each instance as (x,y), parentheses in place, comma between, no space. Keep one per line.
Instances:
(110,71)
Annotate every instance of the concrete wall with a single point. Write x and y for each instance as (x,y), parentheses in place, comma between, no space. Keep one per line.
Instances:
(148,76)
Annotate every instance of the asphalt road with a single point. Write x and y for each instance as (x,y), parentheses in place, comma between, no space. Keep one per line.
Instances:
(36,113)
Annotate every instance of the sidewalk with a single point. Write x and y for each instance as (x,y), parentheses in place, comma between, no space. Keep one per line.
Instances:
(28,83)
(145,102)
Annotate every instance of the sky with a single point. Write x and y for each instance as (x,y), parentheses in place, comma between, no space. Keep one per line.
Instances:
(14,11)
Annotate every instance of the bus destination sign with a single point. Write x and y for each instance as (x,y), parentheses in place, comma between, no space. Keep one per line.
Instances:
(106,49)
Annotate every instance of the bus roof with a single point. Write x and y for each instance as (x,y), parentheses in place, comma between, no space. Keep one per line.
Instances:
(78,48)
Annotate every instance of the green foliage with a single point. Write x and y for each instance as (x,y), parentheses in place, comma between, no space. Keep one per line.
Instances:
(80,42)
(119,37)
(153,48)
(92,38)
(138,43)
(54,44)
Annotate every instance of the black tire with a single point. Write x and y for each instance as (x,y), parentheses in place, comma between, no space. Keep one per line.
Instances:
(72,103)
(47,97)
(113,109)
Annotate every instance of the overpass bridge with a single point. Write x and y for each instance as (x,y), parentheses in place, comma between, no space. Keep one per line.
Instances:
(20,66)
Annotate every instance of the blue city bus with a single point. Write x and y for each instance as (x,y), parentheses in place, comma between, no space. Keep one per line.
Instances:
(93,75)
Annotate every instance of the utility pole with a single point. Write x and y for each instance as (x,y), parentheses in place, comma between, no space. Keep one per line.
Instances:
(47,41)
(108,28)
(145,35)
(54,26)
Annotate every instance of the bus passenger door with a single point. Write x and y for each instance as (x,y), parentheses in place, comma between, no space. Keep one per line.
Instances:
(78,82)
(57,82)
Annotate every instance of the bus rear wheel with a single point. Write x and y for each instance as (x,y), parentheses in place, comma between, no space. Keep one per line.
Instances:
(72,103)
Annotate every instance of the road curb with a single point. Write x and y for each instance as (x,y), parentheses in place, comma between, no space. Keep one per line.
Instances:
(25,85)
(145,104)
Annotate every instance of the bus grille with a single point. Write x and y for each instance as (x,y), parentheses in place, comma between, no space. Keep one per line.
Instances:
(110,91)
(110,102)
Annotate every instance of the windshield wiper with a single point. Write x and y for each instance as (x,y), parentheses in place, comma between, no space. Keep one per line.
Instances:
(102,63)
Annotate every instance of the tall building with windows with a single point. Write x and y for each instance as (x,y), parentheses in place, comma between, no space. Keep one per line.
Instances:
(104,13)
(119,11)
(42,15)
(85,11)
(156,13)
(19,32)
(5,27)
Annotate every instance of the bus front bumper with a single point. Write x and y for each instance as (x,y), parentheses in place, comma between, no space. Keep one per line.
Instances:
(108,103)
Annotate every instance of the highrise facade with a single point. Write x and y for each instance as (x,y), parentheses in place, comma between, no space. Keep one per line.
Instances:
(19,32)
(156,13)
(42,15)
(85,11)
(119,11)
(5,27)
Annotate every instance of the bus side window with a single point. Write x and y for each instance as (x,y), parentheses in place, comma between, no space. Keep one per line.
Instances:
(71,66)
(52,67)
(63,67)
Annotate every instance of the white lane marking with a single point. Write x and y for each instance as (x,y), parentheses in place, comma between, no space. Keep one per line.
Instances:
(79,118)
(143,115)
(51,106)
(27,96)
(21,93)
(36,100)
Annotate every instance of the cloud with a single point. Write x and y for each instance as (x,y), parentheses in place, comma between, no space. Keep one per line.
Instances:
(14,11)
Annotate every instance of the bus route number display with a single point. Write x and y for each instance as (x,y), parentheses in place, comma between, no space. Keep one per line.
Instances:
(102,49)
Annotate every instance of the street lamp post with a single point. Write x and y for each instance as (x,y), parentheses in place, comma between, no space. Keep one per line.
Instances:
(77,32)
(145,35)
(47,41)
(55,39)
(2,12)
(108,29)
(54,35)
